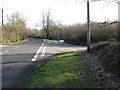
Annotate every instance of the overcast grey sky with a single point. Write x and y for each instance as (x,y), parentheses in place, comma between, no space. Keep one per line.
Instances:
(66,11)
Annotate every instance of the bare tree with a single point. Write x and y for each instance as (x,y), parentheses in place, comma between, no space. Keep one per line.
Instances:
(99,0)
(16,23)
(46,23)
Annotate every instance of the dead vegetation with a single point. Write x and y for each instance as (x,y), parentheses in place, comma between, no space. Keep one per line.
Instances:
(76,34)
(104,63)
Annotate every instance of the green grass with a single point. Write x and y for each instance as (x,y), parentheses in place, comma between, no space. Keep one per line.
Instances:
(63,71)
(15,42)
(46,41)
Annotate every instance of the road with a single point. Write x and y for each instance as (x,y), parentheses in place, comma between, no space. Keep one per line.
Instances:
(18,61)
(15,62)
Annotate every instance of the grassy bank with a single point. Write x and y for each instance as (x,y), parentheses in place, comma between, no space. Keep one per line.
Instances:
(15,42)
(55,42)
(63,71)
(47,41)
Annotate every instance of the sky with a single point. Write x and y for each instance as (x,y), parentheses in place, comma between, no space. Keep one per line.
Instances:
(67,12)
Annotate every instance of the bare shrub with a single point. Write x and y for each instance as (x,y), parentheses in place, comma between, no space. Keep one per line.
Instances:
(15,29)
(76,34)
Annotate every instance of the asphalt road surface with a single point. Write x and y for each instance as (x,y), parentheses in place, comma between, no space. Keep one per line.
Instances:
(19,60)
(16,60)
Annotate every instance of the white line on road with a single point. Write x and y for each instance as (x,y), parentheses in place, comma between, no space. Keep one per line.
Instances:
(4,52)
(43,52)
(16,47)
(36,55)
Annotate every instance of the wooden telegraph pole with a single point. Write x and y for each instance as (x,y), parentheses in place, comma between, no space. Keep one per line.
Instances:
(119,12)
(118,21)
(2,20)
(88,27)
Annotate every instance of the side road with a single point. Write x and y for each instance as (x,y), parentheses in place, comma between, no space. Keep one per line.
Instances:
(17,62)
(53,49)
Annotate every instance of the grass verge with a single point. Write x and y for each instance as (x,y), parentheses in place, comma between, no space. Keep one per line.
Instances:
(46,41)
(15,42)
(63,71)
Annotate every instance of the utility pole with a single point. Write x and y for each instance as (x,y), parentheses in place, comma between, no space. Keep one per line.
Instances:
(118,21)
(88,27)
(119,12)
(2,20)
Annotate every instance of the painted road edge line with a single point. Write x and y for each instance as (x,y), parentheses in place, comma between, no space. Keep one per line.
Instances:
(15,47)
(4,52)
(43,52)
(36,54)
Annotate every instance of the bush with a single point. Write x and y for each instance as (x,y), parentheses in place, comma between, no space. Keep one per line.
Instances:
(15,29)
(76,34)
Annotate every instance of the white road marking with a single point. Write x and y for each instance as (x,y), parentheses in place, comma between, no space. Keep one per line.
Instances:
(36,55)
(43,52)
(4,52)
(16,47)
